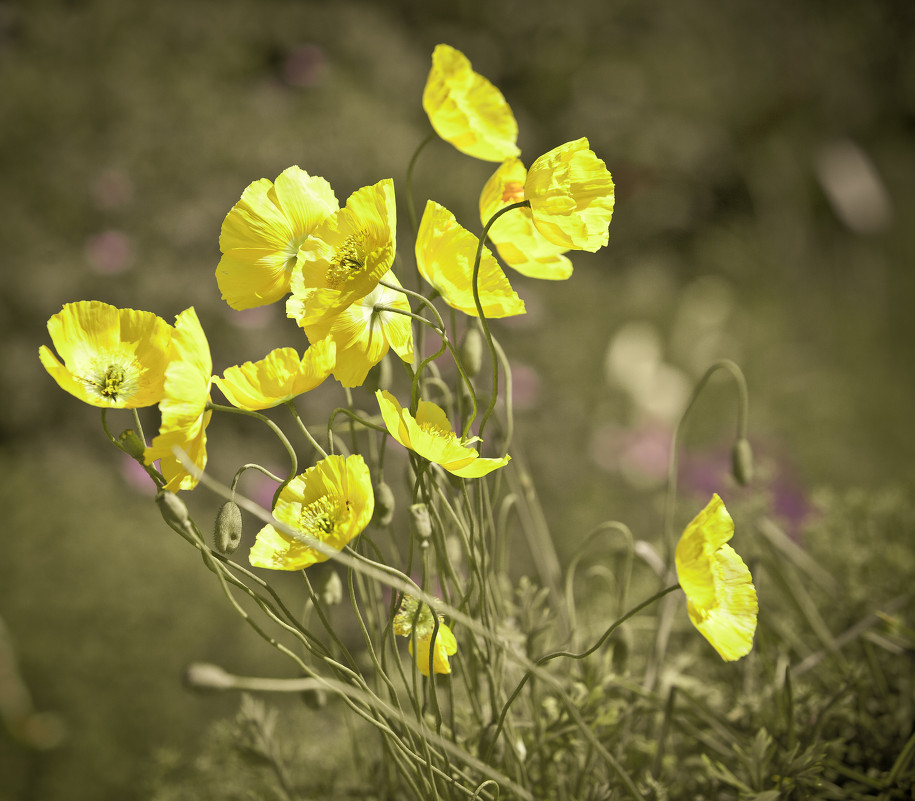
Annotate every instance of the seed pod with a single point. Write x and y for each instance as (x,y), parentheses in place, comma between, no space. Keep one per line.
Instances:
(131,444)
(227,532)
(384,505)
(472,351)
(173,509)
(420,522)
(742,461)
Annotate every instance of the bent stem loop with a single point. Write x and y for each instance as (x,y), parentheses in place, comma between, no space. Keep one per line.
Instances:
(290,451)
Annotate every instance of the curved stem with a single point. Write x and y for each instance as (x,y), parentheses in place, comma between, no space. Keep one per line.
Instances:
(290,404)
(476,299)
(290,451)
(556,654)
(411,208)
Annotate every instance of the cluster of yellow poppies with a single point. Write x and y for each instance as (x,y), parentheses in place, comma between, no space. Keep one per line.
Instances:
(290,239)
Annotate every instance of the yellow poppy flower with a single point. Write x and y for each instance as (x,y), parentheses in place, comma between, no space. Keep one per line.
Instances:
(261,235)
(407,621)
(514,234)
(347,254)
(445,254)
(113,358)
(279,377)
(331,502)
(432,437)
(467,110)
(183,409)
(721,598)
(571,195)
(363,331)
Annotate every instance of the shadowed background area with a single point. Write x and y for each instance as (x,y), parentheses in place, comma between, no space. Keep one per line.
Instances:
(763,160)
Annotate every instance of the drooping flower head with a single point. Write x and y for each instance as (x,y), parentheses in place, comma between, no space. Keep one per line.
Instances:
(261,235)
(431,436)
(279,377)
(112,358)
(514,234)
(183,408)
(721,599)
(419,624)
(331,502)
(363,331)
(466,110)
(350,251)
(445,253)
(571,195)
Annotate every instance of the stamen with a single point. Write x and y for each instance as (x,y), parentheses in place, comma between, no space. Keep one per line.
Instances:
(349,260)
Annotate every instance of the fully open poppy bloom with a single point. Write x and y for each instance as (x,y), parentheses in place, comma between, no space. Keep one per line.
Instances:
(466,110)
(721,599)
(571,195)
(112,358)
(514,234)
(331,502)
(279,377)
(350,251)
(419,624)
(431,436)
(445,253)
(183,409)
(363,331)
(261,235)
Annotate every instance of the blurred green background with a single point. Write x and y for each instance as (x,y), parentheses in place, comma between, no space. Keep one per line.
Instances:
(763,159)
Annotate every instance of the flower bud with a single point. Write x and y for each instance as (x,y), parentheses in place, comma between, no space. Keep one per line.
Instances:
(384,505)
(206,677)
(227,531)
(420,522)
(332,591)
(742,461)
(173,509)
(314,699)
(487,742)
(131,444)
(622,643)
(472,351)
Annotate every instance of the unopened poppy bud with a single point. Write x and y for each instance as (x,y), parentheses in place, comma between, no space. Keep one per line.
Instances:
(227,532)
(380,376)
(384,505)
(173,509)
(420,522)
(742,461)
(332,592)
(131,444)
(472,351)
(622,641)
(206,677)
(314,699)
(487,743)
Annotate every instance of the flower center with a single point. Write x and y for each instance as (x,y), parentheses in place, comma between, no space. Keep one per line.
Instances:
(291,251)
(348,261)
(513,192)
(406,615)
(436,431)
(320,518)
(113,378)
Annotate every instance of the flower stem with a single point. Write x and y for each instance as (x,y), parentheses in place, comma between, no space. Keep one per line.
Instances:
(484,325)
